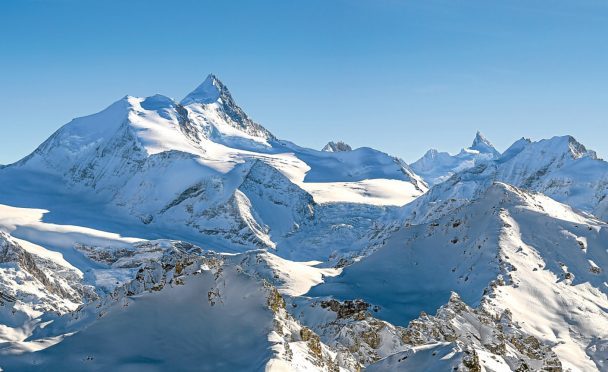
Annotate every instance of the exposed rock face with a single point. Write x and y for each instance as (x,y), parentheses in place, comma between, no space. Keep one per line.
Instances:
(178,268)
(356,309)
(350,326)
(337,147)
(323,268)
(492,252)
(479,338)
(478,331)
(202,170)
(30,284)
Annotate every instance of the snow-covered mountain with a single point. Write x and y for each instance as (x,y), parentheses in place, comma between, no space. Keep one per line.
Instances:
(435,167)
(105,150)
(164,235)
(203,167)
(508,250)
(559,167)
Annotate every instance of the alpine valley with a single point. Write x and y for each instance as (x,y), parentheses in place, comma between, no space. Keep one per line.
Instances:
(160,235)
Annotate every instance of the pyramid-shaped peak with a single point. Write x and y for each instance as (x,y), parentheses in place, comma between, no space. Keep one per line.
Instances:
(208,91)
(483,145)
(480,139)
(213,91)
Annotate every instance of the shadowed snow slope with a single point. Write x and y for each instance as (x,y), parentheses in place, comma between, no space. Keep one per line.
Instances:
(523,252)
(199,170)
(164,235)
(183,312)
(207,132)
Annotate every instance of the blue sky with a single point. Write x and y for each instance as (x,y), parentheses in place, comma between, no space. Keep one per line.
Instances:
(398,75)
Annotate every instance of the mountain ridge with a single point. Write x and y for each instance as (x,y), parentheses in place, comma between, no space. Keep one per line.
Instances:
(181,220)
(436,167)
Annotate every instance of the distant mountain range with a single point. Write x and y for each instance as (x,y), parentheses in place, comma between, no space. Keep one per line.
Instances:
(165,235)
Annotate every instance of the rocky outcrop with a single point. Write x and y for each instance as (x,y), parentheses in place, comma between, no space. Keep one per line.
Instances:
(477,330)
(337,147)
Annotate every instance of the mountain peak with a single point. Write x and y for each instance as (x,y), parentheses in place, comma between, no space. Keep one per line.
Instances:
(483,145)
(208,91)
(212,90)
(480,138)
(579,150)
(337,147)
(553,147)
(569,145)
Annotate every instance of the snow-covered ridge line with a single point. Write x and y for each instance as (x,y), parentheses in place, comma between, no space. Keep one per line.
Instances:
(435,167)
(559,167)
(181,220)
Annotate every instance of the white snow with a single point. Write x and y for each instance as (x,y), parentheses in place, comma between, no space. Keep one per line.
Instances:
(118,215)
(506,233)
(435,167)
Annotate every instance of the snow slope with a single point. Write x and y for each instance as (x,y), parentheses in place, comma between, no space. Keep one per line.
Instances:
(207,133)
(35,282)
(200,170)
(218,246)
(509,250)
(461,338)
(186,312)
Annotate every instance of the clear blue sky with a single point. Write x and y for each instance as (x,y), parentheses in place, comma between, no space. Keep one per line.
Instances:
(398,75)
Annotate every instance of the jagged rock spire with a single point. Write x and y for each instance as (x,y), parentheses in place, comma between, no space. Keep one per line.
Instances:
(337,147)
(483,145)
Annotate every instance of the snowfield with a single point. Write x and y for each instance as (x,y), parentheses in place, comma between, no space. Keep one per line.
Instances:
(165,235)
